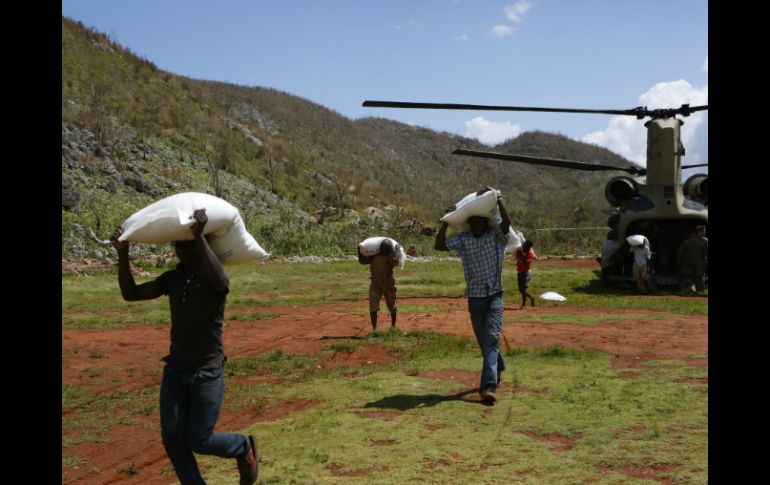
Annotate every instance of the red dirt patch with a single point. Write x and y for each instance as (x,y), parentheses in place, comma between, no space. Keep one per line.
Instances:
(383,442)
(465,377)
(649,473)
(632,430)
(372,354)
(134,455)
(693,380)
(559,442)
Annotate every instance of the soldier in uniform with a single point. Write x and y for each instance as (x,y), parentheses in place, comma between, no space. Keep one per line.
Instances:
(693,258)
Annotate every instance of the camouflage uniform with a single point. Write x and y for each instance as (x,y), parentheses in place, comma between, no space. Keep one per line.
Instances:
(693,257)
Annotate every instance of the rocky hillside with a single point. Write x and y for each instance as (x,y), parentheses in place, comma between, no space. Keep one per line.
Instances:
(306,179)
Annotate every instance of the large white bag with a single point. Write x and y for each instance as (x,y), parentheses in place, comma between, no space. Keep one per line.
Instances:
(371,246)
(515,240)
(234,244)
(552,296)
(170,219)
(637,240)
(484,205)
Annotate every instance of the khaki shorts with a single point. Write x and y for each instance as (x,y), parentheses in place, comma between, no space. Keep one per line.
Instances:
(376,293)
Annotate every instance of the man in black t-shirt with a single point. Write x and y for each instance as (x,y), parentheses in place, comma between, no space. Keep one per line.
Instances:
(193,379)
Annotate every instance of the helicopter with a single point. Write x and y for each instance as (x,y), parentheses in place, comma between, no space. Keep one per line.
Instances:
(650,201)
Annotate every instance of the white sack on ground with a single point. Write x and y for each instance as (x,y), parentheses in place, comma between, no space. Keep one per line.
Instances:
(552,296)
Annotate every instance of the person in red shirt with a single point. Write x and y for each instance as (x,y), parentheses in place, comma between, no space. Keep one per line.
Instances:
(524,256)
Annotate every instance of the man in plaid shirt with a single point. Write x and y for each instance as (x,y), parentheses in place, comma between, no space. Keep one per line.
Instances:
(482,251)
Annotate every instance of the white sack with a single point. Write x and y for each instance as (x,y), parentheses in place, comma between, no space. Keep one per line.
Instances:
(371,246)
(234,244)
(636,240)
(484,205)
(170,219)
(552,296)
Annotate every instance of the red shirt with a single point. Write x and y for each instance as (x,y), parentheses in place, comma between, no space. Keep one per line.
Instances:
(524,261)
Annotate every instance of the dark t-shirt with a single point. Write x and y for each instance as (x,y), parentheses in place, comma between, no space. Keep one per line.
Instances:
(197,315)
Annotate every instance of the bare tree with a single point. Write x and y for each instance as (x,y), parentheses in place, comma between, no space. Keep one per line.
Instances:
(97,115)
(341,193)
(272,165)
(212,153)
(323,200)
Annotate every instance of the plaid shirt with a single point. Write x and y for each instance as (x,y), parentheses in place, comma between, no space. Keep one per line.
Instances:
(482,260)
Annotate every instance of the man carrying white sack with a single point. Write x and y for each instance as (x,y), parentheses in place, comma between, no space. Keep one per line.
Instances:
(382,284)
(482,251)
(193,383)
(640,246)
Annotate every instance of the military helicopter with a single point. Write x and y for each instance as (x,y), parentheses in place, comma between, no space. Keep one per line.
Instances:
(652,201)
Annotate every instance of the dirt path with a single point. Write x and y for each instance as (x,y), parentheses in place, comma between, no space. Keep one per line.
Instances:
(96,357)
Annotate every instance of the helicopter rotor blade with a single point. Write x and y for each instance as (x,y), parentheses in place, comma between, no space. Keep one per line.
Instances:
(551,162)
(640,111)
(696,165)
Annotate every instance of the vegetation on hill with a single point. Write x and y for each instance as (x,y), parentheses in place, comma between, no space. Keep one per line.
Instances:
(306,179)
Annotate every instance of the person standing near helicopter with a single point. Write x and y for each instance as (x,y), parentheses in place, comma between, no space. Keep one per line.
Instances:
(641,267)
(693,258)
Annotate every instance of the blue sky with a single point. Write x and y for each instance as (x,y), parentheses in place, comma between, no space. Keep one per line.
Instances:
(595,54)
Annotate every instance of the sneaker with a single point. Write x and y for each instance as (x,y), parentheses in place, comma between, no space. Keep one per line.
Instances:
(248,464)
(488,396)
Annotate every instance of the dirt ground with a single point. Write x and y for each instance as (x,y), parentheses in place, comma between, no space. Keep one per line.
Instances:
(136,350)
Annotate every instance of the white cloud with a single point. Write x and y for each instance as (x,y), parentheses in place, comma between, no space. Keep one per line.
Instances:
(515,12)
(706,65)
(628,137)
(491,132)
(463,38)
(500,30)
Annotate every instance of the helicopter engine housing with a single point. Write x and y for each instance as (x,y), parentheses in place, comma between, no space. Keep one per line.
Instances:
(620,189)
(697,188)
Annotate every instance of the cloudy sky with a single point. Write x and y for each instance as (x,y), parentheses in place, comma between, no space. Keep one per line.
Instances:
(594,54)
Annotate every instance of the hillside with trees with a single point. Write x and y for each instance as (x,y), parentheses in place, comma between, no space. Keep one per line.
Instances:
(306,179)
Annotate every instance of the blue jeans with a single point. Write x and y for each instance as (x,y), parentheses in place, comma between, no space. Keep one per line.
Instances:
(189,409)
(487,320)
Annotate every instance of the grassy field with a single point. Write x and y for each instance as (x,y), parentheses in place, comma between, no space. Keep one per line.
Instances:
(94,301)
(564,416)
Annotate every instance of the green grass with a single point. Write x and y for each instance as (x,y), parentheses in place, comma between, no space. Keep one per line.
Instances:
(658,416)
(95,301)
(616,422)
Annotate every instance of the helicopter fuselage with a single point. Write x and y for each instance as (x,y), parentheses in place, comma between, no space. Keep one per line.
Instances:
(656,207)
